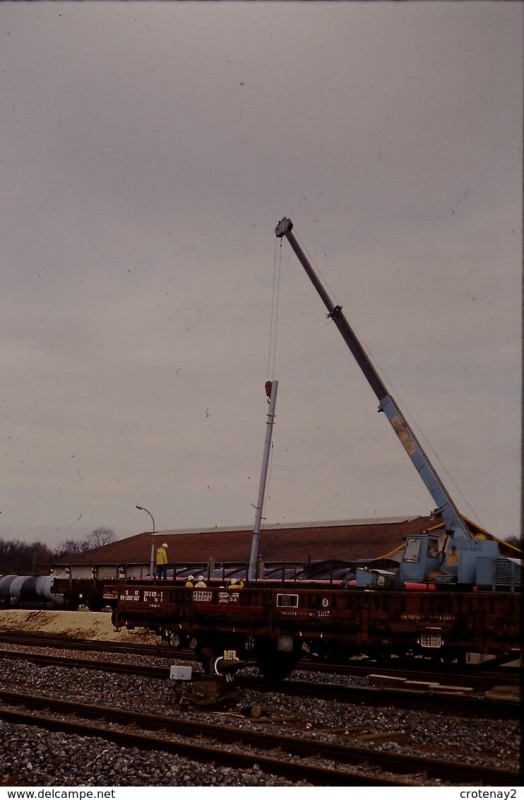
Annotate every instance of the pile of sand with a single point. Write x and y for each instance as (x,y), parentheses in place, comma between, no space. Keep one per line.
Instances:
(73,624)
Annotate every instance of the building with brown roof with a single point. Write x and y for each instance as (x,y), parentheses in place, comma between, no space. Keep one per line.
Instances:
(358,540)
(376,542)
(300,542)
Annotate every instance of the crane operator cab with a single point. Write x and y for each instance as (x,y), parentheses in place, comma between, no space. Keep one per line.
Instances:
(420,562)
(421,559)
(457,565)
(425,565)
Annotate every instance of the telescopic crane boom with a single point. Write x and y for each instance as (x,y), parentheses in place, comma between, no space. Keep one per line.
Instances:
(446,508)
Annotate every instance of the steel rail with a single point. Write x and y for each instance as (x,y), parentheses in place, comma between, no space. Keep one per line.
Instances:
(475,676)
(464,774)
(428,698)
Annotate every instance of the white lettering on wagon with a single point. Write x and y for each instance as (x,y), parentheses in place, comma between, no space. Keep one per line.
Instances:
(303,613)
(228,597)
(201,596)
(152,597)
(132,595)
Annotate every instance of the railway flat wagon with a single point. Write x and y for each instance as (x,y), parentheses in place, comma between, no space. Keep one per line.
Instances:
(276,626)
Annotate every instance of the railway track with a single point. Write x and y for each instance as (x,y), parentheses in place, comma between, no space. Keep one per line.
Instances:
(310,720)
(422,696)
(476,677)
(426,696)
(319,763)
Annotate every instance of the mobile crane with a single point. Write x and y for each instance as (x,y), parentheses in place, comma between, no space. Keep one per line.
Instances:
(467,560)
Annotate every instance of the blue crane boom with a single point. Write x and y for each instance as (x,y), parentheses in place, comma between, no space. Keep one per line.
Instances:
(456,527)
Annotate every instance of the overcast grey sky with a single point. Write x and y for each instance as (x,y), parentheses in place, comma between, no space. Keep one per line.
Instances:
(147,153)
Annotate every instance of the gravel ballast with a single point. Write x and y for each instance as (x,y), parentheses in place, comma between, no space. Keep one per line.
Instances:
(32,756)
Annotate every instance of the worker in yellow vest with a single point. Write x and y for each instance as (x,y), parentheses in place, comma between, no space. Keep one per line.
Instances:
(161,561)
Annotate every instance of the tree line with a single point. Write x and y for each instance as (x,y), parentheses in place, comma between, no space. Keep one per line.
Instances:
(21,558)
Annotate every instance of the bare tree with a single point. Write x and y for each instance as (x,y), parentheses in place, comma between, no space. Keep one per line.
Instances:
(19,558)
(71,547)
(97,538)
(100,537)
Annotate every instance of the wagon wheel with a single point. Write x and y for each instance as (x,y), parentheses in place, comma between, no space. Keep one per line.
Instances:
(206,654)
(273,664)
(116,619)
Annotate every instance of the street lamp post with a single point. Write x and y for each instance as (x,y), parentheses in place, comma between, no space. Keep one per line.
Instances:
(152,560)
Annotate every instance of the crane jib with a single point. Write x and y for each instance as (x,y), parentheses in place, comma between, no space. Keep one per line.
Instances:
(446,507)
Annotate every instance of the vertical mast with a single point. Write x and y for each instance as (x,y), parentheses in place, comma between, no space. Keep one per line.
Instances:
(271,389)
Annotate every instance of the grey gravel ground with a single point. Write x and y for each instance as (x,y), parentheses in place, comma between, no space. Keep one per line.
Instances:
(30,756)
(33,757)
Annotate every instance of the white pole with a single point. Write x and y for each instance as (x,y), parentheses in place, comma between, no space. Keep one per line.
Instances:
(255,542)
(152,558)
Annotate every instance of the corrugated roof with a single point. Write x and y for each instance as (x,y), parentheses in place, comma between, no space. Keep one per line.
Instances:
(344,541)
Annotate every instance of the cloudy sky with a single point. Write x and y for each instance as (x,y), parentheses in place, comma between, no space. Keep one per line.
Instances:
(147,153)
